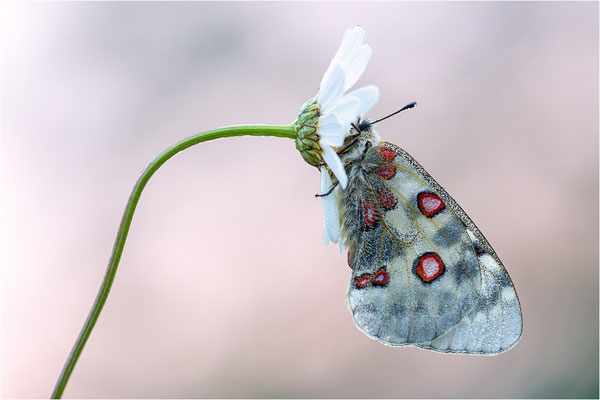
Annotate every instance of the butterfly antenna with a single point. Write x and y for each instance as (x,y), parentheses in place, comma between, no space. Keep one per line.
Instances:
(406,107)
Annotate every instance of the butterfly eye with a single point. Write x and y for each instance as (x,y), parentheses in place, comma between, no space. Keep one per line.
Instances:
(364,125)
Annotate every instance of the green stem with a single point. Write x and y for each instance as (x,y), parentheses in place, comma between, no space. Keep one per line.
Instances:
(286,131)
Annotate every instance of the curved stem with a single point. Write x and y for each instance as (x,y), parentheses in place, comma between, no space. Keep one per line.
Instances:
(230,131)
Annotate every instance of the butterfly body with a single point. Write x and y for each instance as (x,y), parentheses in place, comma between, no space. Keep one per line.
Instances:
(422,273)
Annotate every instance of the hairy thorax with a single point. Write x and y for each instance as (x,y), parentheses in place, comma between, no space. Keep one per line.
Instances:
(360,159)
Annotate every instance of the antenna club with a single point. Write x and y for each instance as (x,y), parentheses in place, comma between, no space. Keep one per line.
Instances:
(409,105)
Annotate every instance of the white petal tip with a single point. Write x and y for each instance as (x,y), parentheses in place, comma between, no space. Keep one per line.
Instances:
(343,181)
(335,165)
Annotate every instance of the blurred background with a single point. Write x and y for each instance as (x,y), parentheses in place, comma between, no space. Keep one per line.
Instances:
(225,288)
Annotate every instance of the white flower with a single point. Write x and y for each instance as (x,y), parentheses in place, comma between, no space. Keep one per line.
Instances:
(337,112)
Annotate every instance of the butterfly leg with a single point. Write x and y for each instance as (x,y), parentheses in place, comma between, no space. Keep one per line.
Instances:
(348,144)
(329,191)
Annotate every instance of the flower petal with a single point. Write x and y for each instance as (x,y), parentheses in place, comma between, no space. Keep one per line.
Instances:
(350,43)
(348,49)
(352,40)
(331,130)
(335,165)
(331,88)
(346,111)
(355,65)
(331,216)
(367,95)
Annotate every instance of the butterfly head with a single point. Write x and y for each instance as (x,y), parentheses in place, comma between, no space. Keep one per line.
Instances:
(358,140)
(362,136)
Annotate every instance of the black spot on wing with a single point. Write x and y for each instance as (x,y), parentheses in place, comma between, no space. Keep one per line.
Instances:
(389,249)
(494,294)
(447,311)
(464,272)
(492,287)
(423,325)
(365,310)
(398,309)
(367,252)
(449,235)
(466,305)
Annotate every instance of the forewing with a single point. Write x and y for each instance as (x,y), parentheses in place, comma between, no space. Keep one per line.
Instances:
(423,274)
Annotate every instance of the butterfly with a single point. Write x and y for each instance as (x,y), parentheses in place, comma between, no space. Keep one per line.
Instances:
(422,273)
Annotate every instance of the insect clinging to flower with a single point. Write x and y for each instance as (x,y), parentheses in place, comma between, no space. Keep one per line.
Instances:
(422,273)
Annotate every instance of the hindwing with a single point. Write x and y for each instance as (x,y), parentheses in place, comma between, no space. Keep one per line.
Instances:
(422,273)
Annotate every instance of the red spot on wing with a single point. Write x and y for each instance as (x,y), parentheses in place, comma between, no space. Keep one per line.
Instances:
(386,198)
(429,267)
(386,154)
(386,172)
(430,204)
(369,214)
(381,278)
(363,280)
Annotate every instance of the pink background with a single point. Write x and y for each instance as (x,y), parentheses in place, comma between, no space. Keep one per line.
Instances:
(224,288)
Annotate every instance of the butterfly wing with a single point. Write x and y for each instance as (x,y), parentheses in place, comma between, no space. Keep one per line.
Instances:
(423,274)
